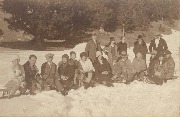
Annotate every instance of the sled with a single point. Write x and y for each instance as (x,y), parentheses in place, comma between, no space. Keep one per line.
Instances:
(5,91)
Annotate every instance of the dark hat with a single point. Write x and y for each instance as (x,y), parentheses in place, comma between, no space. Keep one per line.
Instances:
(83,54)
(124,54)
(140,36)
(167,52)
(65,56)
(158,35)
(161,54)
(112,39)
(49,55)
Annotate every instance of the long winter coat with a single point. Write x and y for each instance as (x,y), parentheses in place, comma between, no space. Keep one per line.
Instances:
(142,48)
(138,65)
(99,68)
(111,58)
(162,46)
(91,49)
(160,69)
(121,47)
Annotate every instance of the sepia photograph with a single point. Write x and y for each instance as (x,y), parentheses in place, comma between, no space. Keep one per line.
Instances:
(89,58)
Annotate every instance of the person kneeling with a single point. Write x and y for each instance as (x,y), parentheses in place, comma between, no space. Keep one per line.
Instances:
(32,76)
(103,71)
(86,69)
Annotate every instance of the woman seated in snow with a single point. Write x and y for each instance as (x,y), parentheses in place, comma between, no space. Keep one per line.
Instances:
(66,73)
(86,69)
(103,71)
(170,65)
(123,69)
(159,70)
(17,76)
(139,67)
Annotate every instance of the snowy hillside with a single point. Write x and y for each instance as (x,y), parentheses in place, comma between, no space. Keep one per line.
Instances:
(137,100)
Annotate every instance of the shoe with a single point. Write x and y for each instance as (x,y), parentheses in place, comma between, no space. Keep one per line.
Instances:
(64,92)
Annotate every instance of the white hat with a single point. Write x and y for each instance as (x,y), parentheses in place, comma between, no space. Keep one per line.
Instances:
(16,57)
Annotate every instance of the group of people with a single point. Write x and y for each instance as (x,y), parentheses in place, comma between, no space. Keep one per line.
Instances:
(93,69)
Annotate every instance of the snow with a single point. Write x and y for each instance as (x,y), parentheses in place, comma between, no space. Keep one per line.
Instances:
(138,99)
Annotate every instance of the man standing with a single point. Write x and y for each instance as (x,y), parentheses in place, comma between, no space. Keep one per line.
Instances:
(158,44)
(50,74)
(92,47)
(32,76)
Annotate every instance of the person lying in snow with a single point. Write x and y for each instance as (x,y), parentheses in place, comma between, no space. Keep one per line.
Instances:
(86,70)
(139,67)
(17,76)
(122,70)
(74,63)
(50,75)
(103,71)
(66,73)
(32,76)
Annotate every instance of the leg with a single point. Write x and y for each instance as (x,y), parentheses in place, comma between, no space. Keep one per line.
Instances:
(59,86)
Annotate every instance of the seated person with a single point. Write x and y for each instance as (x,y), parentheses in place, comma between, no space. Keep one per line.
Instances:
(123,68)
(17,76)
(66,73)
(103,71)
(50,75)
(86,69)
(159,70)
(153,59)
(139,67)
(32,76)
(170,65)
(74,63)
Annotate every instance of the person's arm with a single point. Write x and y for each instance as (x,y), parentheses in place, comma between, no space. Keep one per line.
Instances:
(57,75)
(165,45)
(43,74)
(135,48)
(151,46)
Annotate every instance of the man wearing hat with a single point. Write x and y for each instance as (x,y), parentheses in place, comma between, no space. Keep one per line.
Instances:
(50,74)
(170,65)
(66,73)
(92,47)
(123,68)
(158,44)
(140,46)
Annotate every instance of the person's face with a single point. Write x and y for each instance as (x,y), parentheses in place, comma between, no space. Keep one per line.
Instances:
(84,58)
(161,58)
(167,55)
(152,55)
(140,40)
(139,56)
(100,57)
(49,59)
(64,60)
(16,62)
(113,42)
(32,61)
(73,56)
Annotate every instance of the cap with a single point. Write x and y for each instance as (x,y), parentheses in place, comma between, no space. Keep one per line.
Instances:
(49,55)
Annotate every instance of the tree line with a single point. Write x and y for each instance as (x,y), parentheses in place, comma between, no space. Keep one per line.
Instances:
(66,19)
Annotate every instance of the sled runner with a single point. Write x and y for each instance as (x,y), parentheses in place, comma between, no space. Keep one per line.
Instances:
(5,91)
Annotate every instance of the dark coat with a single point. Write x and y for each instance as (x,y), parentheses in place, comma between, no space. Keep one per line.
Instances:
(31,74)
(91,49)
(99,68)
(121,47)
(170,64)
(66,70)
(151,65)
(162,46)
(74,64)
(142,48)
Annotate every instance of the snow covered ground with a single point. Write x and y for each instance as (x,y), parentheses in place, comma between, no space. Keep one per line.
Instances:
(135,100)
